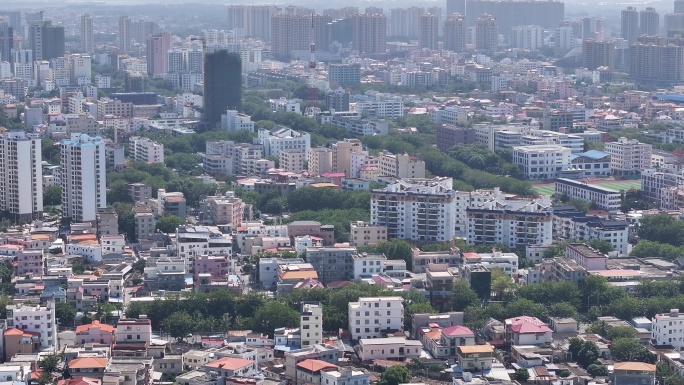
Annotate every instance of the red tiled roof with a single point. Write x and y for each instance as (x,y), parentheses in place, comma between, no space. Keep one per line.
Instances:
(457,331)
(316,365)
(230,363)
(95,324)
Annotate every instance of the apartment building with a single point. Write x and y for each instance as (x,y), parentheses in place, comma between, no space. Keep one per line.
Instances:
(542,162)
(320,160)
(227,157)
(364,234)
(602,197)
(146,150)
(235,121)
(375,104)
(36,319)
(114,107)
(575,225)
(666,329)
(332,263)
(282,138)
(30,262)
(416,209)
(654,183)
(342,154)
(145,222)
(401,165)
(311,323)
(193,241)
(21,176)
(514,225)
(293,160)
(84,186)
(371,317)
(629,156)
(223,210)
(366,265)
(586,257)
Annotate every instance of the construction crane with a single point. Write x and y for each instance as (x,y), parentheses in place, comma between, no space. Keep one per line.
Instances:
(312,108)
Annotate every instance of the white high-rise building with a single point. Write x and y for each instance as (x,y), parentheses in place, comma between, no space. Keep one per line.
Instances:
(629,156)
(527,37)
(416,209)
(21,176)
(542,161)
(84,186)
(80,69)
(87,33)
(37,319)
(373,316)
(281,138)
(146,150)
(311,323)
(125,33)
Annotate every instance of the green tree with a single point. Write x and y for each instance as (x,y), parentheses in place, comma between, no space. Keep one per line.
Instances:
(78,268)
(65,314)
(628,349)
(522,375)
(52,196)
(395,375)
(179,325)
(662,228)
(463,296)
(564,373)
(416,308)
(274,315)
(615,332)
(596,370)
(168,223)
(395,249)
(139,266)
(601,245)
(50,363)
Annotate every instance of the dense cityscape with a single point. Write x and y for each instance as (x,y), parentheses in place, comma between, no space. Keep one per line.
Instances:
(463,192)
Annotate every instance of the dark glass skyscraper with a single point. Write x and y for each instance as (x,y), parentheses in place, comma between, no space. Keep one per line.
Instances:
(222,84)
(53,41)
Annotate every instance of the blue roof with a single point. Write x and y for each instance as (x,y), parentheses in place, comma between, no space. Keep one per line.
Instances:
(595,154)
(671,97)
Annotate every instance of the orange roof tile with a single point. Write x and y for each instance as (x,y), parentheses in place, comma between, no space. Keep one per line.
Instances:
(87,362)
(230,363)
(299,274)
(316,365)
(634,367)
(95,324)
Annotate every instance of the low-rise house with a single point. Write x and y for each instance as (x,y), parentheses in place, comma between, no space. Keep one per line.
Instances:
(309,371)
(389,348)
(527,330)
(95,332)
(475,358)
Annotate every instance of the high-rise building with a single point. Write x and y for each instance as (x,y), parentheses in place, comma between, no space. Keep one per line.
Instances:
(254,20)
(649,22)
(337,100)
(46,40)
(158,47)
(597,53)
(294,32)
(545,13)
(679,6)
(429,29)
(142,29)
(655,62)
(455,33)
(630,24)
(124,33)
(369,33)
(222,84)
(84,185)
(86,33)
(434,222)
(14,20)
(439,12)
(36,40)
(21,175)
(674,24)
(528,37)
(405,22)
(565,37)
(486,33)
(6,39)
(344,74)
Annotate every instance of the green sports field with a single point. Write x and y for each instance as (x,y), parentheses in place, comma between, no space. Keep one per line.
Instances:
(617,185)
